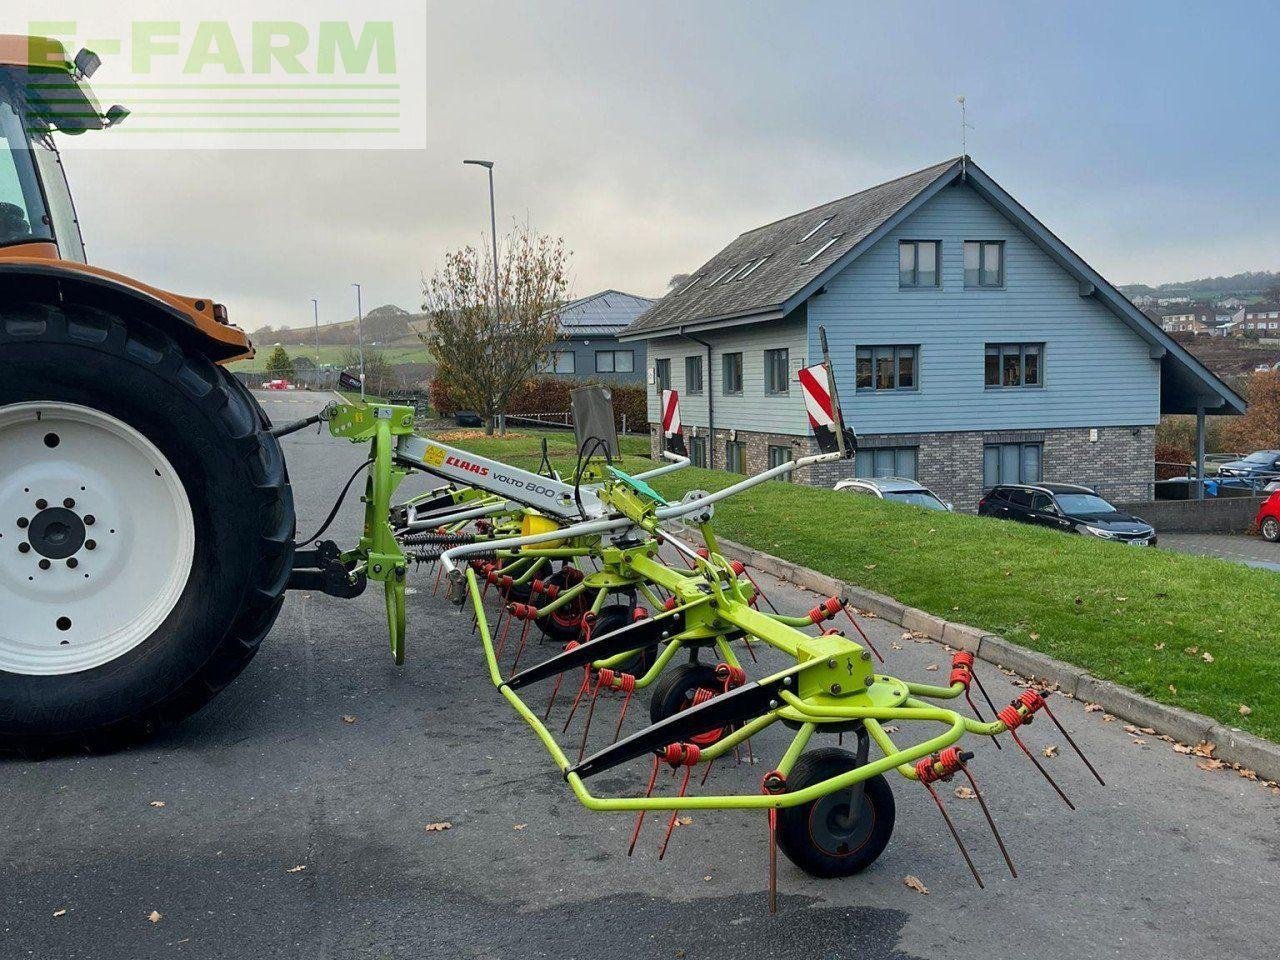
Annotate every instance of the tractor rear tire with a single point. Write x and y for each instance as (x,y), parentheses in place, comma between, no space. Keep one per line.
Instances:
(146,529)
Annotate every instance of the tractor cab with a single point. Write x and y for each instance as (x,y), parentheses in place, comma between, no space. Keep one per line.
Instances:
(42,92)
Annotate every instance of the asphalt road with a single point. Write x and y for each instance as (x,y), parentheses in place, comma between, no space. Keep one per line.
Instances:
(1248,549)
(1166,861)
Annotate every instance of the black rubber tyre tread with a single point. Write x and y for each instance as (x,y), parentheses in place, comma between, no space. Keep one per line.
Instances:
(243,506)
(670,689)
(794,837)
(552,629)
(615,616)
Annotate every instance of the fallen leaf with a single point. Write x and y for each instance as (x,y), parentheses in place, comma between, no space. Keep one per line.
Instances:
(1034,636)
(58,913)
(1093,708)
(895,646)
(1139,741)
(1121,599)
(1205,748)
(931,666)
(707,877)
(1107,718)
(154,916)
(1211,764)
(157,803)
(1182,748)
(1172,688)
(437,827)
(915,883)
(520,826)
(1245,710)
(1130,728)
(869,566)
(1159,646)
(965,793)
(348,718)
(684,821)
(1190,649)
(1247,773)
(1050,751)
(298,869)
(1207,657)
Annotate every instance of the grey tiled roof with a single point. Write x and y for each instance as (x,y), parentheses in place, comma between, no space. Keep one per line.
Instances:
(784,273)
(601,314)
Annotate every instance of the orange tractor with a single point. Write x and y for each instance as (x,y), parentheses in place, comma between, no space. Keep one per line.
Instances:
(146,518)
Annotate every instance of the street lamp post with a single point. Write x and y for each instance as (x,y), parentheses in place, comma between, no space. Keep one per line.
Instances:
(493,229)
(315,307)
(360,336)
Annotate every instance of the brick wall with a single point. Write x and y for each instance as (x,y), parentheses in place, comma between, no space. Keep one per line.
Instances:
(1119,463)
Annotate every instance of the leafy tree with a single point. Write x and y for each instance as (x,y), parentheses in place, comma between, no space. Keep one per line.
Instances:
(1259,428)
(678,280)
(485,350)
(280,366)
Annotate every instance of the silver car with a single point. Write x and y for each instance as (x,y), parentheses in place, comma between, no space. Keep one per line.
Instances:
(897,489)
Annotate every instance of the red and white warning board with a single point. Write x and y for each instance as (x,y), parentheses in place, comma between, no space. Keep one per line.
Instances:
(671,425)
(670,413)
(815,381)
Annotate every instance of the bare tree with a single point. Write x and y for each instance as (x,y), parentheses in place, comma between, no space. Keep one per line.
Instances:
(485,352)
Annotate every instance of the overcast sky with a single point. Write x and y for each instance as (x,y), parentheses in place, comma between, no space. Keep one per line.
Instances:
(650,134)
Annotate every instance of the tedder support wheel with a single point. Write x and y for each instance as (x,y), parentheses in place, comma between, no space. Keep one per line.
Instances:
(564,624)
(615,616)
(146,528)
(677,689)
(839,834)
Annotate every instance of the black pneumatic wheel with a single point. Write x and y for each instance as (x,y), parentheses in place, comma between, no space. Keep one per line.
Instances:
(146,528)
(615,616)
(826,838)
(565,623)
(675,690)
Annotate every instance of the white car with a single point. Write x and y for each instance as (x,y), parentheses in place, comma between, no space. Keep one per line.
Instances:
(896,489)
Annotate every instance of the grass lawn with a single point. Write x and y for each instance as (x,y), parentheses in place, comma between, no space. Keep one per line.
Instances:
(1142,618)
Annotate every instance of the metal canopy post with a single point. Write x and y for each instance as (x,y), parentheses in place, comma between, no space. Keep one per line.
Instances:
(1200,451)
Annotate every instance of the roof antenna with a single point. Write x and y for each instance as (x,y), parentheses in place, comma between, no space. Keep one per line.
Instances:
(965,127)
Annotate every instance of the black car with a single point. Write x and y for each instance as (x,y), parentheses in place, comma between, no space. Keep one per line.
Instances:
(1066,507)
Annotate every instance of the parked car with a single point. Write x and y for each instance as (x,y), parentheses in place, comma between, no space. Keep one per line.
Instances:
(896,489)
(278,385)
(1066,507)
(1268,521)
(1262,465)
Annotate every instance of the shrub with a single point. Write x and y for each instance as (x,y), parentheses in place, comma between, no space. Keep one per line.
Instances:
(1171,460)
(554,395)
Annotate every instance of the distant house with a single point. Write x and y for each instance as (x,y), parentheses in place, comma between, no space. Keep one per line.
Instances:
(1197,318)
(587,347)
(1262,319)
(971,346)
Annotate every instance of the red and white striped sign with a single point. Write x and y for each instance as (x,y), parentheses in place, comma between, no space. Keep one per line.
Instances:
(817,396)
(670,413)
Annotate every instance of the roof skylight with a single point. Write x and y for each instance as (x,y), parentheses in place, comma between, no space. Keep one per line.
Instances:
(815,230)
(753,268)
(822,249)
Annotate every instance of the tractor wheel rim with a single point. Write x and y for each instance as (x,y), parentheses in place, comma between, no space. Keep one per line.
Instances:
(97,538)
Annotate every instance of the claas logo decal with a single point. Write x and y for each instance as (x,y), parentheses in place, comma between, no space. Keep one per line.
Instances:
(452,461)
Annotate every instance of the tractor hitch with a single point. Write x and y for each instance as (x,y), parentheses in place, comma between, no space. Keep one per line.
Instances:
(322,569)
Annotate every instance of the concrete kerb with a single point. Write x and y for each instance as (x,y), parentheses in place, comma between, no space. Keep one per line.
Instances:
(1232,745)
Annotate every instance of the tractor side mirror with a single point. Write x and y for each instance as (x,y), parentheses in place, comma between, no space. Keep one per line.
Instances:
(87,63)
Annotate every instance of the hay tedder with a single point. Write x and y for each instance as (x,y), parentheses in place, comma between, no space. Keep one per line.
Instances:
(147,538)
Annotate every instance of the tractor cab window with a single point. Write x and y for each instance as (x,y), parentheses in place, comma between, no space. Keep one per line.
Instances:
(66,228)
(22,216)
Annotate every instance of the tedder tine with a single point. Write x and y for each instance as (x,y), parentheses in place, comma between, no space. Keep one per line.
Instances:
(1079,753)
(942,766)
(964,767)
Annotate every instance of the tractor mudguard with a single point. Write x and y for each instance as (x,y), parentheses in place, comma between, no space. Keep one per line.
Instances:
(197,323)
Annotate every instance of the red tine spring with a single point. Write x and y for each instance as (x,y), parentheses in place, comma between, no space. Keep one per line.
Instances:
(950,760)
(1021,711)
(962,672)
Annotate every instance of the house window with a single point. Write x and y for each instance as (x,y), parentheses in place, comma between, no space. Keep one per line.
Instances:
(693,375)
(615,361)
(698,451)
(777,457)
(984,263)
(558,361)
(886,462)
(918,263)
(886,368)
(776,375)
(1014,365)
(732,369)
(1011,463)
(662,375)
(735,456)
